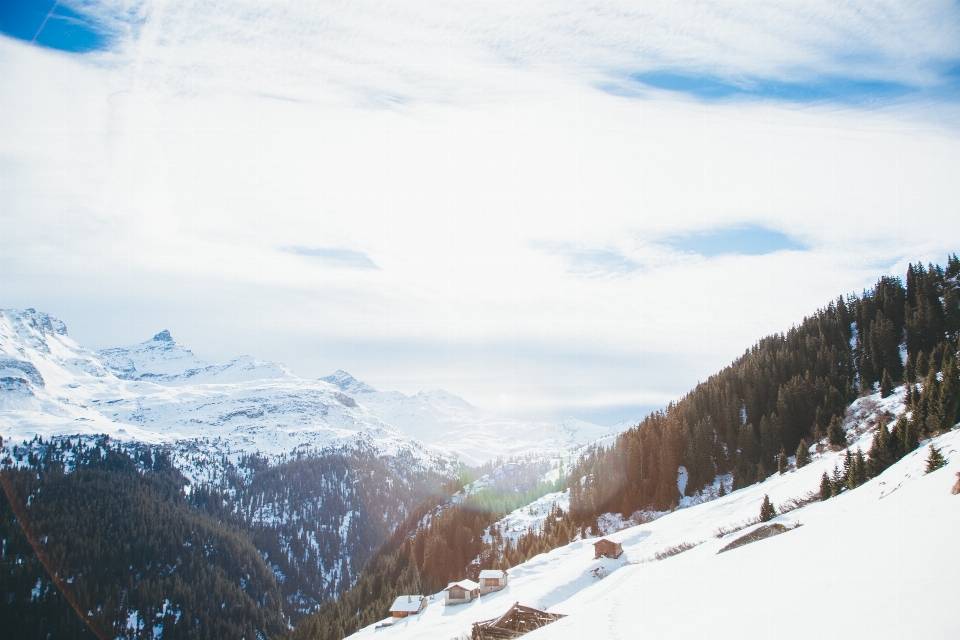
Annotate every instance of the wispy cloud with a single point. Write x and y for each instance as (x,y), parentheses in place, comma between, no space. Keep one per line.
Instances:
(333,257)
(795,50)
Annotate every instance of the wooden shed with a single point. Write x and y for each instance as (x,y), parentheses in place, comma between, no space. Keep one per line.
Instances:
(517,621)
(604,548)
(492,580)
(408,605)
(461,592)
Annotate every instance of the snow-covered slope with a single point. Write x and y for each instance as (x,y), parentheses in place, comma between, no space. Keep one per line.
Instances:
(879,561)
(453,425)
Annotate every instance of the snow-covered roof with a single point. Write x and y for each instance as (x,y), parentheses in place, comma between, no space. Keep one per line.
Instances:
(492,573)
(468,585)
(407,604)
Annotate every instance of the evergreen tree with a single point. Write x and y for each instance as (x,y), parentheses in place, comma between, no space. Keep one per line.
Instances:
(782,460)
(949,400)
(745,472)
(767,510)
(803,454)
(838,481)
(908,438)
(935,460)
(886,385)
(835,433)
(881,451)
(826,488)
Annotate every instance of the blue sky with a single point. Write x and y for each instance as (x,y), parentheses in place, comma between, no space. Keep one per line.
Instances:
(52,24)
(531,205)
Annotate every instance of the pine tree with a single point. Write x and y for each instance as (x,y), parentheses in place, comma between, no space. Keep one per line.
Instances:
(838,481)
(935,460)
(782,460)
(836,434)
(909,372)
(949,400)
(886,385)
(723,490)
(859,469)
(826,489)
(881,455)
(767,510)
(803,454)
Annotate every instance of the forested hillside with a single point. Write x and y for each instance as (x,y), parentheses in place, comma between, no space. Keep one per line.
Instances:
(785,393)
(112,538)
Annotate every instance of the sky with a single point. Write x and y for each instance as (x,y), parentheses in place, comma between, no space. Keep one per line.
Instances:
(548,208)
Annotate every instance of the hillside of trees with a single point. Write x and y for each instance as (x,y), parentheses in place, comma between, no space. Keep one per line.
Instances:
(102,538)
(785,393)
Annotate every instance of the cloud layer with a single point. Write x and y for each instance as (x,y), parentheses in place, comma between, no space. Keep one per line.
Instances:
(484,197)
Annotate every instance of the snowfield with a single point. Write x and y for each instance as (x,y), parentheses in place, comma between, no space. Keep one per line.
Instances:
(879,561)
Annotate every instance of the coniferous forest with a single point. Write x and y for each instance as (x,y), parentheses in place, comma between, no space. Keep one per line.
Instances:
(93,531)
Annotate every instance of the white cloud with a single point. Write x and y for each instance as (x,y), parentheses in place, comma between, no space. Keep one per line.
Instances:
(515,212)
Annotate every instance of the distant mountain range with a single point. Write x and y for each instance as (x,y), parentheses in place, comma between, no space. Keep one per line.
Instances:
(158,391)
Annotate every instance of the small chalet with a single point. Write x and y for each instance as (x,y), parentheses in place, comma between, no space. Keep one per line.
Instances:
(461,592)
(408,606)
(604,548)
(517,621)
(492,580)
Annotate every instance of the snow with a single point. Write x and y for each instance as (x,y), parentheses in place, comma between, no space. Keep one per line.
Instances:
(531,516)
(452,425)
(406,604)
(877,561)
(158,391)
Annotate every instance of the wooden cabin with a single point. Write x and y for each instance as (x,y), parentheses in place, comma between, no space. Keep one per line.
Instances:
(492,580)
(408,606)
(461,592)
(604,548)
(517,621)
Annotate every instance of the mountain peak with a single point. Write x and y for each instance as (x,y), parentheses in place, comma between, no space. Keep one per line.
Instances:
(163,336)
(346,382)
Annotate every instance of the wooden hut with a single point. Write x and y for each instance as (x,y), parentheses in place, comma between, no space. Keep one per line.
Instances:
(492,580)
(408,606)
(461,592)
(517,621)
(604,548)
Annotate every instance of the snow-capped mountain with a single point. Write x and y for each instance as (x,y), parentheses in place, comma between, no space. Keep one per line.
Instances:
(456,427)
(876,561)
(159,391)
(165,361)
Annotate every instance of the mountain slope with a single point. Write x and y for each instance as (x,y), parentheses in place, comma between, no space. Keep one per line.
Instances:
(456,427)
(876,561)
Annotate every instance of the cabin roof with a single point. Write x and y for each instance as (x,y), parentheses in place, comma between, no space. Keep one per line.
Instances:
(492,573)
(409,604)
(466,585)
(604,541)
